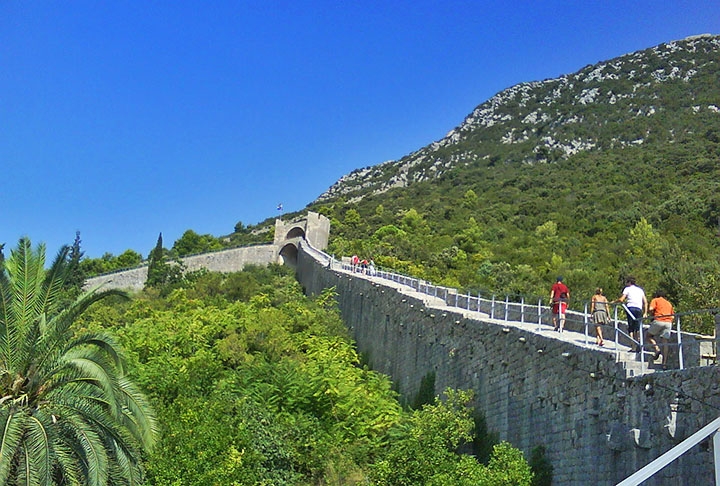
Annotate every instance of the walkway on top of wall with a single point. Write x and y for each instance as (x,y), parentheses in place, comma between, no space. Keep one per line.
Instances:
(633,363)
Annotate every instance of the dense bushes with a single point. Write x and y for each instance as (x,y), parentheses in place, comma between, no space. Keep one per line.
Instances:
(255,384)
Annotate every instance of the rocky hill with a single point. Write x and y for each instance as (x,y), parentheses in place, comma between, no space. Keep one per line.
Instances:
(665,94)
(607,172)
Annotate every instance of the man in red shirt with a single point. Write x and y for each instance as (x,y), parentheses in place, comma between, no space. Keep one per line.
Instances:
(559,296)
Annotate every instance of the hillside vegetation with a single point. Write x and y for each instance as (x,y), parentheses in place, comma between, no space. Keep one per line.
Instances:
(608,172)
(255,384)
(597,175)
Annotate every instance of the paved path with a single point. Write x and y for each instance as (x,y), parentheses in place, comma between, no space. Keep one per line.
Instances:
(631,362)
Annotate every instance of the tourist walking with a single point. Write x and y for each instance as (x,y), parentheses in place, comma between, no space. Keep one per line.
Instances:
(559,296)
(600,312)
(636,306)
(663,315)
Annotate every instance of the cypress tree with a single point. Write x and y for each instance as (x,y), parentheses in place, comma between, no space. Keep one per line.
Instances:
(156,266)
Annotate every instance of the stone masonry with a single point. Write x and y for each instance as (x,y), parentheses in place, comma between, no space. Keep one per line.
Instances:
(313,227)
(534,388)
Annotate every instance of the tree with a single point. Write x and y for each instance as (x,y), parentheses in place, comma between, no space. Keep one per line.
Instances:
(156,267)
(424,450)
(76,277)
(68,412)
(191,242)
(161,273)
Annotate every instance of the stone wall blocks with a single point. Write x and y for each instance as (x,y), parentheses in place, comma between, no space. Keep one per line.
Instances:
(528,391)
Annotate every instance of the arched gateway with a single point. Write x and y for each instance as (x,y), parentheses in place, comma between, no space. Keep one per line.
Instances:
(313,228)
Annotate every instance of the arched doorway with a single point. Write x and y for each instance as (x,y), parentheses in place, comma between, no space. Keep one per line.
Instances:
(296,232)
(289,254)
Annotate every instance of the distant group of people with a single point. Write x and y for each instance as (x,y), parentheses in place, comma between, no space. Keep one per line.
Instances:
(636,308)
(364,266)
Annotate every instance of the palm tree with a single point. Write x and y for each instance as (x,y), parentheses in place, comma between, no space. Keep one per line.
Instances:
(68,412)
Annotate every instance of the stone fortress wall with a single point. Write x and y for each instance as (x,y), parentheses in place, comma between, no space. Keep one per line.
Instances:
(598,426)
(314,227)
(232,260)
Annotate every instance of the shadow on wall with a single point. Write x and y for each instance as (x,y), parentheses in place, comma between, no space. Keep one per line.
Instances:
(289,255)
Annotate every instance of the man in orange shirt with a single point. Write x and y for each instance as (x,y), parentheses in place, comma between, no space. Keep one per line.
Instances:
(663,315)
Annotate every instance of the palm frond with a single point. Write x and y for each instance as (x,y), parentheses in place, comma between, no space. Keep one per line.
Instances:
(67,464)
(89,367)
(94,456)
(120,446)
(38,450)
(13,426)
(54,281)
(27,273)
(139,417)
(7,329)
(127,468)
(53,342)
(104,343)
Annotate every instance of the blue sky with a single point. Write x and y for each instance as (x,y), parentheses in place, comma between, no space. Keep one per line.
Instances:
(125,119)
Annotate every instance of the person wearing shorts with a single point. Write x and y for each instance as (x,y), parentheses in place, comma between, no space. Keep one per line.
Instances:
(599,309)
(663,315)
(636,308)
(559,296)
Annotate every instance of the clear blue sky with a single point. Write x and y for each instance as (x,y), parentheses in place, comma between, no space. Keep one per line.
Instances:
(124,119)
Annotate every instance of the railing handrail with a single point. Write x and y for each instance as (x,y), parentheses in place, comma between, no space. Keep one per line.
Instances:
(655,466)
(572,316)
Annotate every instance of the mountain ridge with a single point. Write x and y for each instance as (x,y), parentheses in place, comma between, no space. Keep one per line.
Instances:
(611,171)
(522,116)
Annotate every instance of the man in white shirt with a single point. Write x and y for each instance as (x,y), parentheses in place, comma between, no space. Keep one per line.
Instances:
(637,305)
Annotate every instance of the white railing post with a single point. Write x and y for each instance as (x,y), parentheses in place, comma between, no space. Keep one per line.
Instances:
(642,346)
(585,318)
(680,347)
(492,308)
(507,304)
(522,309)
(716,456)
(539,315)
(617,337)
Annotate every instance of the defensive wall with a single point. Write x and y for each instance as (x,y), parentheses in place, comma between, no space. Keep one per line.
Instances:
(314,228)
(535,389)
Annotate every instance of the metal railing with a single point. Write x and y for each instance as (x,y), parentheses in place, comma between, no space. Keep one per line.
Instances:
(524,312)
(713,428)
